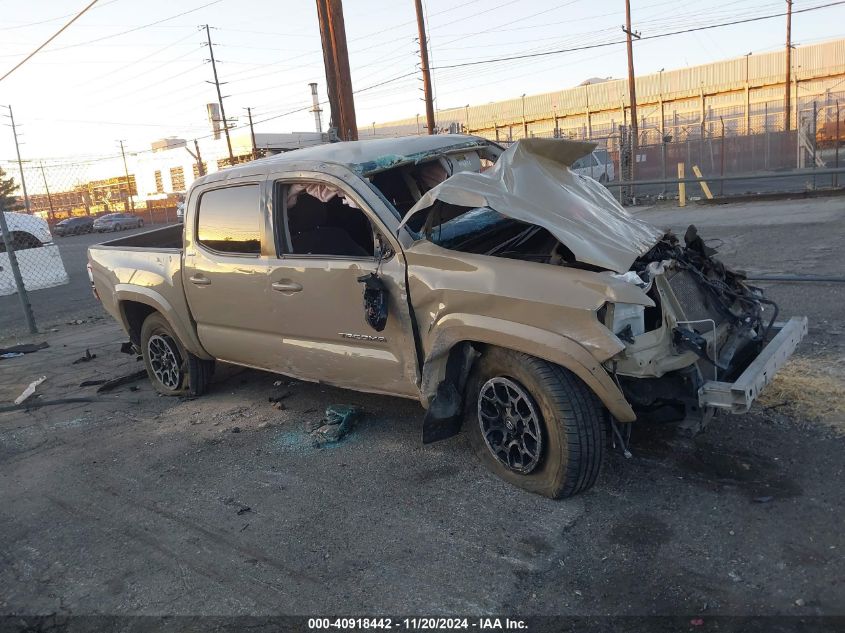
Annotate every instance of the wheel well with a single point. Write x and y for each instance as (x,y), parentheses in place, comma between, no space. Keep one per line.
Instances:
(135,313)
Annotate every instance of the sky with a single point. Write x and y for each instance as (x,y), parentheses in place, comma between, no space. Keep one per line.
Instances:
(138,71)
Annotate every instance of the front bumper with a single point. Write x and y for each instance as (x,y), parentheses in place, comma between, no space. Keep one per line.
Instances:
(736,397)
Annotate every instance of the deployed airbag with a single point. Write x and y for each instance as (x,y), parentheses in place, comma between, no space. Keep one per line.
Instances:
(531,182)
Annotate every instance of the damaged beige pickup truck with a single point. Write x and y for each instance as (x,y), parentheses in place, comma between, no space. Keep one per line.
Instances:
(503,291)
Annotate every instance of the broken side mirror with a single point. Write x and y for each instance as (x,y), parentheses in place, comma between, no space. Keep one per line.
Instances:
(375,301)
(383,249)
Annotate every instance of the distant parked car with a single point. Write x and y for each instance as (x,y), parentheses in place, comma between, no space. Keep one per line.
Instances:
(117,222)
(597,165)
(74,226)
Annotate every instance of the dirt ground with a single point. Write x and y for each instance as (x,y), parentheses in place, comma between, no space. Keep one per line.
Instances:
(130,503)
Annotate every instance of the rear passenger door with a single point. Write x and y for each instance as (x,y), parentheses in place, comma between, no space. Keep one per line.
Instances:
(225,272)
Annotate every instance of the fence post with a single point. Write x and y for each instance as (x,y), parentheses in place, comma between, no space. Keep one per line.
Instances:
(836,145)
(682,187)
(722,158)
(16,273)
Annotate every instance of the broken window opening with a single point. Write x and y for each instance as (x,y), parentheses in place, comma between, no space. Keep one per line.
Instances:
(403,186)
(484,231)
(319,219)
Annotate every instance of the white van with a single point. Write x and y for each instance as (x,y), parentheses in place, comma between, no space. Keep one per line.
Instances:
(597,165)
(39,259)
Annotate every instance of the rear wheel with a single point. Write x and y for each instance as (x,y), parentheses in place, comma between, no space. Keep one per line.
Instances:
(534,424)
(171,368)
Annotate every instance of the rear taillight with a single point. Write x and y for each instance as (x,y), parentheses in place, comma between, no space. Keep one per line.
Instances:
(91,279)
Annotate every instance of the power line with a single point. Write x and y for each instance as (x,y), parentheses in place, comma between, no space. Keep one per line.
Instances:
(138,28)
(644,37)
(66,15)
(50,39)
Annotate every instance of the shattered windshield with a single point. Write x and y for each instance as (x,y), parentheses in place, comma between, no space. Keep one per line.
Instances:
(468,224)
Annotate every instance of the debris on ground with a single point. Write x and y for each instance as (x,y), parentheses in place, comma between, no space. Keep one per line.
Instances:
(29,390)
(92,383)
(337,423)
(85,359)
(810,388)
(244,510)
(127,348)
(122,380)
(20,350)
(280,397)
(37,404)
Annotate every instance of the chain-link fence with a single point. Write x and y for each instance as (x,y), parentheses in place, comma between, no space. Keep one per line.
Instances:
(49,210)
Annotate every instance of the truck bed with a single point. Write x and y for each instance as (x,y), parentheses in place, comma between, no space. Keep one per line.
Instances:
(144,268)
(168,237)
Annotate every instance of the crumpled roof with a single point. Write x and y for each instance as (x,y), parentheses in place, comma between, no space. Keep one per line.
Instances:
(530,182)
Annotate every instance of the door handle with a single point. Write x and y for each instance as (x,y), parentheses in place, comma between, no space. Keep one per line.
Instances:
(286,286)
(199,280)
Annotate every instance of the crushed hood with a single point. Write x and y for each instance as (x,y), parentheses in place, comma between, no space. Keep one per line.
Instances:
(531,182)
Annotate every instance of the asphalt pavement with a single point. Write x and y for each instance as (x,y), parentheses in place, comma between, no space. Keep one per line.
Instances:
(134,504)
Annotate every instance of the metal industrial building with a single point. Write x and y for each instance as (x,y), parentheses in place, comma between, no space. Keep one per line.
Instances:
(745,94)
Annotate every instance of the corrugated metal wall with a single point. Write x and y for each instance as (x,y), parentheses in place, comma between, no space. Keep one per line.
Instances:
(717,89)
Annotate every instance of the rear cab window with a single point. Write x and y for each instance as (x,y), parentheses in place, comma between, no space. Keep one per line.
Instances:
(229,220)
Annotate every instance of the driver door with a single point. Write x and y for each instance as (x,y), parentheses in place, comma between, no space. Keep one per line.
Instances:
(326,239)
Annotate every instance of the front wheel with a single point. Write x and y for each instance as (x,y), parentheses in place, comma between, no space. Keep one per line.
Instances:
(535,424)
(171,368)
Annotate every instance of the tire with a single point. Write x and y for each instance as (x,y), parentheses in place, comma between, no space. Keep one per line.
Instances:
(172,370)
(140,224)
(569,421)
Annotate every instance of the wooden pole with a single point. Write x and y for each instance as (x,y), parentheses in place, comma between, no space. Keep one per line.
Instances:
(219,96)
(336,60)
(426,72)
(632,88)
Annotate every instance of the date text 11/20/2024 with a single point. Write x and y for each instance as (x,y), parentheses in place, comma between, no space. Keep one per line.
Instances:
(417,624)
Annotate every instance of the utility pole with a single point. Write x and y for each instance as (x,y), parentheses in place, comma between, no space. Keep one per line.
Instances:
(426,72)
(315,99)
(200,168)
(788,85)
(23,296)
(129,182)
(632,88)
(47,189)
(20,162)
(336,61)
(252,134)
(219,95)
